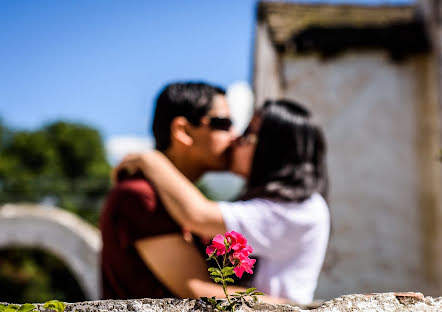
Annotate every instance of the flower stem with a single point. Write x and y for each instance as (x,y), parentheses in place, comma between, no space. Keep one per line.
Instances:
(222,277)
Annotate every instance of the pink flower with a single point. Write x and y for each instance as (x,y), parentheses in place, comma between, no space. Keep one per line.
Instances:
(217,245)
(210,250)
(247,250)
(238,251)
(237,240)
(242,263)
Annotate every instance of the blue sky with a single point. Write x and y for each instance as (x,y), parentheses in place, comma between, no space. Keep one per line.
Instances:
(102,62)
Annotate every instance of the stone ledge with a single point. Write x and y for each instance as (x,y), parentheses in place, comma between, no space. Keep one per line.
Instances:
(411,302)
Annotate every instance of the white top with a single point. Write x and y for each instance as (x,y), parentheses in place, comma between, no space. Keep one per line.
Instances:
(290,240)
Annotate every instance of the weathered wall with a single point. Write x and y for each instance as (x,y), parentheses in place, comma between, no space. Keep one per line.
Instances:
(381,127)
(266,80)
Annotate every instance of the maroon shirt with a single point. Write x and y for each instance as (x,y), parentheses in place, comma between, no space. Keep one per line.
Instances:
(132,211)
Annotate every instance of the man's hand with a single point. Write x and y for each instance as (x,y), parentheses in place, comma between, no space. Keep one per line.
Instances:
(137,161)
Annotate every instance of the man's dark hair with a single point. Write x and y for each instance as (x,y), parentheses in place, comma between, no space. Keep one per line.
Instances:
(192,100)
(289,159)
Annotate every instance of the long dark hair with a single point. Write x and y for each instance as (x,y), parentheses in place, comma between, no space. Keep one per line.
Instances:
(289,160)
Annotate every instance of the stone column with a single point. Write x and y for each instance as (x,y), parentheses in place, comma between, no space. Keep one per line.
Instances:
(267,76)
(430,120)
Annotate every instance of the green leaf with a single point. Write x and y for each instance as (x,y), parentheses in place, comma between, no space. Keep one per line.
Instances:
(250,290)
(215,274)
(215,270)
(2,307)
(228,270)
(255,299)
(55,305)
(11,308)
(212,300)
(240,292)
(218,280)
(257,293)
(27,307)
(230,280)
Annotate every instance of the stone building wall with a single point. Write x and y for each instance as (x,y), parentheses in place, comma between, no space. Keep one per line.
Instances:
(370,109)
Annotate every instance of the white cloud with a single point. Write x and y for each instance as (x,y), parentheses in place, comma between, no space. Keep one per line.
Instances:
(118,146)
(240,98)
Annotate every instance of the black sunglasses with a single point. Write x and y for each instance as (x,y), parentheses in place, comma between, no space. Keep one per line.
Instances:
(219,123)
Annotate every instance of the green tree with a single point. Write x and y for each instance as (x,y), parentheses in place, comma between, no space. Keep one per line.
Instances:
(64,163)
(80,148)
(82,161)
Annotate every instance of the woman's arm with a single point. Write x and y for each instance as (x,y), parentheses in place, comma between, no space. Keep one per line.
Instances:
(185,203)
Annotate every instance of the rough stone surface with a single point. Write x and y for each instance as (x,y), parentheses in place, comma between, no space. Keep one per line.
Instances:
(411,302)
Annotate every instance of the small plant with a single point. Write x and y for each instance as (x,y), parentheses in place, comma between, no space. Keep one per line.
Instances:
(234,252)
(55,305)
(17,308)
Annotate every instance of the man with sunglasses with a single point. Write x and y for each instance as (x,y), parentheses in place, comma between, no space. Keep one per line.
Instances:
(144,252)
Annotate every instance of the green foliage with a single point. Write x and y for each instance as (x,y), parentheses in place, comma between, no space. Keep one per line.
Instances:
(251,292)
(220,276)
(27,307)
(32,275)
(228,270)
(61,163)
(12,308)
(17,308)
(55,305)
(82,151)
(239,298)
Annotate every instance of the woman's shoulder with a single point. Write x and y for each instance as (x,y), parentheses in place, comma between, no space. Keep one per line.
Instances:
(313,208)
(315,204)
(315,200)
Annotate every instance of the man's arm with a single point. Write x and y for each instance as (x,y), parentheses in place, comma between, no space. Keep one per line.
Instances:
(184,202)
(181,268)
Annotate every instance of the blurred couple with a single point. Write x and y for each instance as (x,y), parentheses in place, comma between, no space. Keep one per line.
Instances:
(282,211)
